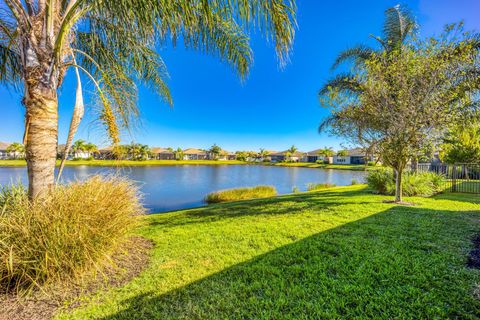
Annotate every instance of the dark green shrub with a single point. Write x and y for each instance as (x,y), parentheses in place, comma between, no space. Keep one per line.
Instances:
(423,184)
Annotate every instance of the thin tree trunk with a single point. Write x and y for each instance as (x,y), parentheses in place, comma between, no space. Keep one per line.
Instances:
(41,140)
(398,185)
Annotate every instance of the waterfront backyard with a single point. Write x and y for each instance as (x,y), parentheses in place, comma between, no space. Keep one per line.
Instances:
(337,253)
(173,187)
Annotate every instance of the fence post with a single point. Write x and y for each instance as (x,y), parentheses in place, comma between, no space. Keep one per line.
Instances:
(454,178)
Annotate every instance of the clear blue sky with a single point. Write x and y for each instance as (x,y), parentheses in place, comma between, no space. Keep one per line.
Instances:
(274,108)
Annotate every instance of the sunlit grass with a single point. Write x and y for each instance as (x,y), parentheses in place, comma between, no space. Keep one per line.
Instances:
(337,253)
(241,194)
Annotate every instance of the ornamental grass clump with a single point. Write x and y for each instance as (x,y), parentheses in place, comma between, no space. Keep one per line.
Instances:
(319,186)
(65,235)
(241,194)
(422,184)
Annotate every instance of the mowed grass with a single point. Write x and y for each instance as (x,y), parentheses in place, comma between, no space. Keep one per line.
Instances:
(338,253)
(126,163)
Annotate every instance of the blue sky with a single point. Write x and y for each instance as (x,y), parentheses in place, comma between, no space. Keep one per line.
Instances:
(273,108)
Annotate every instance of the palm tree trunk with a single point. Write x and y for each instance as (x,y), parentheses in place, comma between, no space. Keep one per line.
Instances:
(41,138)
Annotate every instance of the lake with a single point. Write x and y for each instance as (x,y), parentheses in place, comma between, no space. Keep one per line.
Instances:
(167,188)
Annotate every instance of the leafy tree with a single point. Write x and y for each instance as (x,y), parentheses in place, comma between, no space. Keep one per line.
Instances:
(461,143)
(112,42)
(215,151)
(241,155)
(17,149)
(91,148)
(399,100)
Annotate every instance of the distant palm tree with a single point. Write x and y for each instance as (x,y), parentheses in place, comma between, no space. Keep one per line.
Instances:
(113,43)
(215,151)
(263,154)
(78,147)
(342,153)
(91,149)
(179,154)
(290,152)
(326,153)
(17,149)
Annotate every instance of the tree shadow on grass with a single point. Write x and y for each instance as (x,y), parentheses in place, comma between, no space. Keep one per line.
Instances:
(286,204)
(405,262)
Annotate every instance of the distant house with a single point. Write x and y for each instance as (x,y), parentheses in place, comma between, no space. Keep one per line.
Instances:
(282,156)
(105,153)
(354,156)
(313,156)
(225,155)
(162,154)
(3,150)
(194,154)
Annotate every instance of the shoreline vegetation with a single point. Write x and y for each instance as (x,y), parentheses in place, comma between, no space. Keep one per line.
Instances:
(132,163)
(203,260)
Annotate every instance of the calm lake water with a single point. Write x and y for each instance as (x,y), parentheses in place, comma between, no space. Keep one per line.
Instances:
(168,188)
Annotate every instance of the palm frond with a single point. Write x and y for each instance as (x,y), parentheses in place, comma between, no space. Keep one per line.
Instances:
(346,83)
(399,23)
(358,54)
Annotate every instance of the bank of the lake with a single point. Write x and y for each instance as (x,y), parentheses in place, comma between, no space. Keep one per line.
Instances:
(337,253)
(174,187)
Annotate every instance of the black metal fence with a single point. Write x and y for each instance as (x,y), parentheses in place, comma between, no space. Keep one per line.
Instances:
(462,177)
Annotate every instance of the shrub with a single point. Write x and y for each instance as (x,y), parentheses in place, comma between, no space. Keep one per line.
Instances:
(295,190)
(66,234)
(241,194)
(423,184)
(354,182)
(371,163)
(319,186)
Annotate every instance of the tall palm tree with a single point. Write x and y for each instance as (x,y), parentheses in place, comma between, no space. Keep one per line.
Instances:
(215,151)
(398,25)
(263,154)
(112,42)
(91,148)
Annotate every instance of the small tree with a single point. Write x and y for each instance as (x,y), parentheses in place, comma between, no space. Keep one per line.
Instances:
(78,147)
(400,100)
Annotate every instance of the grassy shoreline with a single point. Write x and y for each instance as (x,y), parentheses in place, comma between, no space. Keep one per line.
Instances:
(129,163)
(337,253)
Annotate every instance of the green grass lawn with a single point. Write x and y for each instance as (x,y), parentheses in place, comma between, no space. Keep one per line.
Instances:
(337,253)
(125,163)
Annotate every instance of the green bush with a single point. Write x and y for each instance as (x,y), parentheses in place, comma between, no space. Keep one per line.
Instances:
(354,182)
(371,163)
(241,194)
(65,235)
(319,186)
(423,184)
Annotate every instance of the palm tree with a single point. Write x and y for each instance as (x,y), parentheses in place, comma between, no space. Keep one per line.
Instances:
(399,24)
(290,152)
(215,151)
(17,149)
(112,42)
(342,153)
(179,154)
(91,148)
(79,146)
(263,154)
(326,153)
